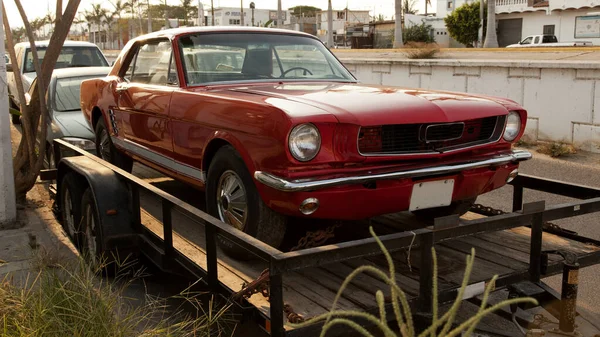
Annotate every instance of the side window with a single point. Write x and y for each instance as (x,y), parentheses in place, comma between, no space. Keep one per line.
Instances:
(527,40)
(152,62)
(130,67)
(537,40)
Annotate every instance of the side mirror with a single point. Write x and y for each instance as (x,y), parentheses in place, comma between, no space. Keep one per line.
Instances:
(9,68)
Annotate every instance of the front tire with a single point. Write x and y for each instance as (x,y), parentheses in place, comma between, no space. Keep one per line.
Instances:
(232,197)
(106,150)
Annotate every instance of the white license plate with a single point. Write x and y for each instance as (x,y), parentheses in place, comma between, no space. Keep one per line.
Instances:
(431,194)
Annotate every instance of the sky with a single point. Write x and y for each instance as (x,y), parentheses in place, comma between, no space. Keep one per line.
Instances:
(39,8)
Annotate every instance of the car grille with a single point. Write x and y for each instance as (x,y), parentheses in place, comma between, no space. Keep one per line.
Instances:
(427,138)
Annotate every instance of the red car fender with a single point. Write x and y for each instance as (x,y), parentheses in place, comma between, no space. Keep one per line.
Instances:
(218,136)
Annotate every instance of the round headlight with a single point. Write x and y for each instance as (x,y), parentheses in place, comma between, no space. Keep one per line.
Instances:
(513,126)
(304,142)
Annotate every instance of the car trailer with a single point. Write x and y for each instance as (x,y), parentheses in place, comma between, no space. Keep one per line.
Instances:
(278,287)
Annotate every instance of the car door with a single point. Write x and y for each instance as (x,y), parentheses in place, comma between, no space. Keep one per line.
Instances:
(144,97)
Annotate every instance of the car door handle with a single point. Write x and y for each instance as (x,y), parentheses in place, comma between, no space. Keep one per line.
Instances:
(121,87)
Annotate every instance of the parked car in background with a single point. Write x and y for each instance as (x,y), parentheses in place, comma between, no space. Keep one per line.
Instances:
(532,41)
(291,132)
(73,54)
(66,120)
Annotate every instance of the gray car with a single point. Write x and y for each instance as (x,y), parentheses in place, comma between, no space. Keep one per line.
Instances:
(66,119)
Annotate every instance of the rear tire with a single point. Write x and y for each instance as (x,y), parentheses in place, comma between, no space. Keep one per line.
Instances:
(91,231)
(70,206)
(231,197)
(457,207)
(106,150)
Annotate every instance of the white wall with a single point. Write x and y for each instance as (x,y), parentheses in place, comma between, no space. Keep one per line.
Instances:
(261,16)
(564,22)
(562,98)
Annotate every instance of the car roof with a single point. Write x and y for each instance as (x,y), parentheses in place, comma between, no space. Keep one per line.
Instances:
(80,71)
(67,43)
(174,32)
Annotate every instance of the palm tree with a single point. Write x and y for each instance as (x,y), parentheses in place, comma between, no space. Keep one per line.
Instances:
(187,8)
(119,6)
(95,16)
(398,29)
(491,40)
(109,20)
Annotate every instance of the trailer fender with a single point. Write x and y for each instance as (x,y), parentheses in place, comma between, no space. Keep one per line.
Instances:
(111,194)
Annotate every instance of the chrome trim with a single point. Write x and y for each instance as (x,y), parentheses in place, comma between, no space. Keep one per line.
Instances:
(452,150)
(444,124)
(309,185)
(159,159)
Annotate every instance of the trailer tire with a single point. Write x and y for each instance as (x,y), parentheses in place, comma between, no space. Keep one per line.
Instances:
(91,228)
(72,188)
(258,220)
(106,150)
(456,207)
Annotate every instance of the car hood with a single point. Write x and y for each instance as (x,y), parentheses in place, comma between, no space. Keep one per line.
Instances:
(376,105)
(71,124)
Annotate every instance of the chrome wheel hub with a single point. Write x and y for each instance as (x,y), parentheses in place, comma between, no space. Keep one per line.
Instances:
(231,200)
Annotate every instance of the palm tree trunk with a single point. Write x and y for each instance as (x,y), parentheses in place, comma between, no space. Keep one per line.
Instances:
(398,43)
(491,40)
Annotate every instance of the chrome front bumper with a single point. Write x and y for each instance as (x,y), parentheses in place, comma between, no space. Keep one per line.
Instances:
(311,185)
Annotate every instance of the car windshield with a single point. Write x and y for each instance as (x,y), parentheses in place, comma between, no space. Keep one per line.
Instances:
(69,57)
(227,57)
(66,94)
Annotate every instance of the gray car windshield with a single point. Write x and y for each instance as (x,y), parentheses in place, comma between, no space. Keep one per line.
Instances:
(238,57)
(66,93)
(69,57)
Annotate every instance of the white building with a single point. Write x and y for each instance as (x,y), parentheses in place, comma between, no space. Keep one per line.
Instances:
(570,20)
(231,16)
(438,26)
(341,20)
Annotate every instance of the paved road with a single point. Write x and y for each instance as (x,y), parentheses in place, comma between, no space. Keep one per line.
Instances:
(580,169)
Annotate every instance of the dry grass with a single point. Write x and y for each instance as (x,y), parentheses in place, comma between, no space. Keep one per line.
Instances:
(420,50)
(556,149)
(72,300)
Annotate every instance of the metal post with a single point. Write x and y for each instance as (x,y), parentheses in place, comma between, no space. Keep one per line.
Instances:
(211,255)
(517,198)
(241,12)
(329,25)
(426,273)
(535,257)
(8,206)
(276,299)
(279,15)
(167,207)
(135,208)
(568,296)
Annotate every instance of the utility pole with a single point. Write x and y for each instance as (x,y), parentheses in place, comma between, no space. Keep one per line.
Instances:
(241,12)
(200,13)
(480,31)
(279,15)
(212,12)
(252,6)
(8,206)
(167,24)
(329,25)
(149,17)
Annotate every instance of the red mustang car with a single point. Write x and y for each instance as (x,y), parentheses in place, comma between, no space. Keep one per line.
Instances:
(271,125)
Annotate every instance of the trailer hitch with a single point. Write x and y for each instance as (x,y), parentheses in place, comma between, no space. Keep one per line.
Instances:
(568,296)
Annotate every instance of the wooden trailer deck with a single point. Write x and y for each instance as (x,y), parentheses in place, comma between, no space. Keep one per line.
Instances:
(310,292)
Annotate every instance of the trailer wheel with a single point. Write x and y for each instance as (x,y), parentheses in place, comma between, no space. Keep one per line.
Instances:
(91,229)
(457,207)
(106,150)
(70,193)
(231,196)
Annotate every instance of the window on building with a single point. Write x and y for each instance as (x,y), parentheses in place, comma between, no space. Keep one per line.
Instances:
(234,21)
(450,4)
(341,15)
(548,30)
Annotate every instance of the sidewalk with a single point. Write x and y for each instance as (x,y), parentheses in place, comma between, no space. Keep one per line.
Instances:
(35,233)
